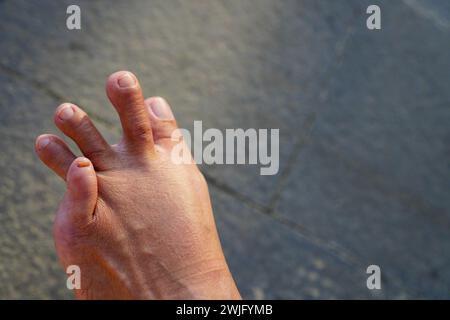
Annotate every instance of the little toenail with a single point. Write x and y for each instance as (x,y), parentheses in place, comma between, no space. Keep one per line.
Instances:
(42,143)
(161,109)
(126,80)
(66,113)
(82,163)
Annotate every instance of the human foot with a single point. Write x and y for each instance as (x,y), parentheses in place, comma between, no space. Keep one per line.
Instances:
(137,224)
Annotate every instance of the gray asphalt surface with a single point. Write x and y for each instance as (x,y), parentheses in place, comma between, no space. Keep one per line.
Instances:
(364,119)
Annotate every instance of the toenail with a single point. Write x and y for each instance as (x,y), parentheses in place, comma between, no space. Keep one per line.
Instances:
(126,80)
(42,143)
(82,163)
(66,113)
(161,109)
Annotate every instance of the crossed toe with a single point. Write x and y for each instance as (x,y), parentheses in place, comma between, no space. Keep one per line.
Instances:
(144,124)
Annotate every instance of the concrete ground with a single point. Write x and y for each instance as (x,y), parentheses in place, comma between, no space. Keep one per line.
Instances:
(364,119)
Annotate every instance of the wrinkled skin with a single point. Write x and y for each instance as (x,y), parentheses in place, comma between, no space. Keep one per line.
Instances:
(139,225)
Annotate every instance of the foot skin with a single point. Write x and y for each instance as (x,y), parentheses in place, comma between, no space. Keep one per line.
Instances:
(137,224)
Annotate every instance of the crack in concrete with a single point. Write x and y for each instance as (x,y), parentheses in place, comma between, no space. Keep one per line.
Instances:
(50,92)
(292,160)
(429,14)
(303,138)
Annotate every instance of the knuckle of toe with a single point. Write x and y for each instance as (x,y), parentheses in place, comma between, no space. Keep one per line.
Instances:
(143,132)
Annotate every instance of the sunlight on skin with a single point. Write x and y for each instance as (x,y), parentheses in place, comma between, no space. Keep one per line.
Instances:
(137,225)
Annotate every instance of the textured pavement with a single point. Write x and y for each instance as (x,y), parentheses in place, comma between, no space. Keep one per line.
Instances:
(364,119)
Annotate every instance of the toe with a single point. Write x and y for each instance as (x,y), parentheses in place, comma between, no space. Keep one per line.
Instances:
(125,93)
(81,196)
(162,119)
(55,153)
(75,123)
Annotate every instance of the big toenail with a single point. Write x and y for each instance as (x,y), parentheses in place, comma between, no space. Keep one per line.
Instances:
(42,143)
(66,113)
(126,80)
(161,109)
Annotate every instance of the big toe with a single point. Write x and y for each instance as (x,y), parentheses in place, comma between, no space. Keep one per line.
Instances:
(164,125)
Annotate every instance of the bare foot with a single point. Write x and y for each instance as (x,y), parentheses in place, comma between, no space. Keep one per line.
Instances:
(138,225)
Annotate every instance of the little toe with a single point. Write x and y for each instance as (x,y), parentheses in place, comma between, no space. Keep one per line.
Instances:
(54,153)
(125,93)
(81,196)
(75,123)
